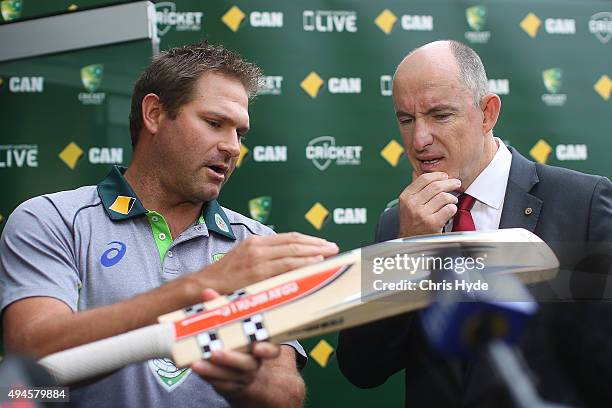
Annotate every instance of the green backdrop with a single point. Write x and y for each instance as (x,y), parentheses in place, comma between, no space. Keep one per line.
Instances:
(328,66)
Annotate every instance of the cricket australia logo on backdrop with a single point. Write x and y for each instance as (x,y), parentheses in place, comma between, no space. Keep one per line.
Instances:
(167,374)
(271,85)
(91,77)
(600,25)
(553,80)
(476,17)
(168,17)
(260,208)
(323,150)
(11,9)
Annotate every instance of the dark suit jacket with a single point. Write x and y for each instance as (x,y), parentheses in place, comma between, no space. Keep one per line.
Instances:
(568,346)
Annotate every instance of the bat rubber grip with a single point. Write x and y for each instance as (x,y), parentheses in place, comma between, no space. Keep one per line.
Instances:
(107,355)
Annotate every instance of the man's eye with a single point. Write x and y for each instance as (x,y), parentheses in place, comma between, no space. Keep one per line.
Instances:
(406,121)
(442,116)
(213,123)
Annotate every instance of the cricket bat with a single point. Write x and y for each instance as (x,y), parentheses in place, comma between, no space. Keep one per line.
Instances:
(317,299)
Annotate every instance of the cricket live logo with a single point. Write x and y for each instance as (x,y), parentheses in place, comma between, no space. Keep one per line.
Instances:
(256,303)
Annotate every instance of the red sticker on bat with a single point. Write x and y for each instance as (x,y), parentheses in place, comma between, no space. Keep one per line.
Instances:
(256,303)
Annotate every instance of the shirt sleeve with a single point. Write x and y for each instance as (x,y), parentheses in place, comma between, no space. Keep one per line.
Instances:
(37,255)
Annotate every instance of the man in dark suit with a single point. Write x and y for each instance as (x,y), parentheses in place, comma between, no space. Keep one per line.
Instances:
(466,179)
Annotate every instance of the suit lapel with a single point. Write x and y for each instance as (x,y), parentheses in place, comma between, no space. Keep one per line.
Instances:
(521,209)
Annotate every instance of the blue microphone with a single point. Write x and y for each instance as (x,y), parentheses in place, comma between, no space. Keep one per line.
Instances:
(462,322)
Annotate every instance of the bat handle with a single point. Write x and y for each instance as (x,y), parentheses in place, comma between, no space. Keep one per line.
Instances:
(110,354)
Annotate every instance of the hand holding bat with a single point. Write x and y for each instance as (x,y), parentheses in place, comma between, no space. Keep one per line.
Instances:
(258,258)
(231,372)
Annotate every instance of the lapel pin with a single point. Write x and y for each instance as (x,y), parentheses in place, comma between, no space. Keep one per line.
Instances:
(528,211)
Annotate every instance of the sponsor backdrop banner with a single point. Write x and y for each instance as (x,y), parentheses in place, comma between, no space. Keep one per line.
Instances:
(324,155)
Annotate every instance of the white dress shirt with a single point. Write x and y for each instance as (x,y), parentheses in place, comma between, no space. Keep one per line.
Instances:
(489,190)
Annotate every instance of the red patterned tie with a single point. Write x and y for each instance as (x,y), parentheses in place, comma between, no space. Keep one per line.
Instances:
(463,221)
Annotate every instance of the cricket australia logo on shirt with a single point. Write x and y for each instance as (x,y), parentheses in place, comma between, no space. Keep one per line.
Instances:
(167,374)
(220,223)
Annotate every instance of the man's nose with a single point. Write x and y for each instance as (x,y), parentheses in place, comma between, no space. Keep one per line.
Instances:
(422,136)
(230,144)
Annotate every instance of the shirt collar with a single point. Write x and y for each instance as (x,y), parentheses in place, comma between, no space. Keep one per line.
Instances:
(121,203)
(490,185)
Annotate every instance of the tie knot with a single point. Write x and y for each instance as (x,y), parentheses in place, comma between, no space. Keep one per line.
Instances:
(466,202)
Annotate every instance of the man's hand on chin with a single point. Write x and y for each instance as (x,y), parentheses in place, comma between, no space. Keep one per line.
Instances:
(427,204)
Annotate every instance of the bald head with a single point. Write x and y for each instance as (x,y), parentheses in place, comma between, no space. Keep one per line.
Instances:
(449,59)
(444,113)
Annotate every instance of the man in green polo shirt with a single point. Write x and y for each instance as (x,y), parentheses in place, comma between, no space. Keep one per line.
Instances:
(86,264)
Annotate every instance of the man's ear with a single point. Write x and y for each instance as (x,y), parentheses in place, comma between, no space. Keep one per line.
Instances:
(151,112)
(491,106)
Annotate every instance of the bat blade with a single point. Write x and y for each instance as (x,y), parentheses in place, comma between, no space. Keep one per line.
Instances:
(341,303)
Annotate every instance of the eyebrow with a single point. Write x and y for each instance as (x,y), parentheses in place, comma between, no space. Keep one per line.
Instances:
(441,108)
(432,110)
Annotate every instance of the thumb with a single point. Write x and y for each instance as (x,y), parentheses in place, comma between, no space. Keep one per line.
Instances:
(209,294)
(414,175)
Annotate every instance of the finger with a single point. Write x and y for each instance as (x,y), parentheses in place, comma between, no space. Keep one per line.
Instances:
(281,265)
(445,214)
(265,350)
(300,250)
(209,294)
(436,187)
(440,200)
(424,180)
(227,387)
(234,360)
(291,237)
(210,371)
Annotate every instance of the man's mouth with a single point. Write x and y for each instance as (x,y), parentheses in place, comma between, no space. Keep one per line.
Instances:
(218,170)
(429,163)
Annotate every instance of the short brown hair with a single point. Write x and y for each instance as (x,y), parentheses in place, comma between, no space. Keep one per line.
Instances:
(173,73)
